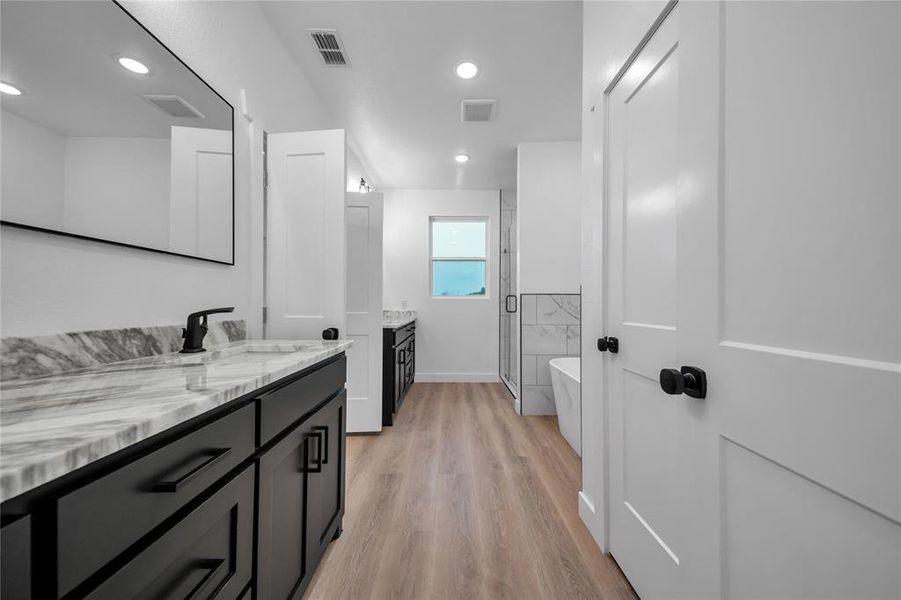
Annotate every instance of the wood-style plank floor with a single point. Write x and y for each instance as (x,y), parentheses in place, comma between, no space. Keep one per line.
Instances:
(462,498)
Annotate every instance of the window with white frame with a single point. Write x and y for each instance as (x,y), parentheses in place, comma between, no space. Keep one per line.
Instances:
(459,256)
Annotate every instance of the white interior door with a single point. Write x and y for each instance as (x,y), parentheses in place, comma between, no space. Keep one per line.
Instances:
(200,198)
(782,202)
(363,215)
(647,471)
(305,259)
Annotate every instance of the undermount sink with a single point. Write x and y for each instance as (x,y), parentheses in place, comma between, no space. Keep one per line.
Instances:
(257,351)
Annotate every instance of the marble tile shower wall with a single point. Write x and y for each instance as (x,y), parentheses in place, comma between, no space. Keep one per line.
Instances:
(551,328)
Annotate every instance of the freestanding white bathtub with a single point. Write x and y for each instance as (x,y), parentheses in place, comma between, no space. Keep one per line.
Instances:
(567,381)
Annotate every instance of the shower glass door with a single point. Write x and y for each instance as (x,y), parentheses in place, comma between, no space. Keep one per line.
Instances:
(509,300)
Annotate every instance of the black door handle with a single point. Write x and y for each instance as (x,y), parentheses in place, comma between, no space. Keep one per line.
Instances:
(690,381)
(322,429)
(306,453)
(608,344)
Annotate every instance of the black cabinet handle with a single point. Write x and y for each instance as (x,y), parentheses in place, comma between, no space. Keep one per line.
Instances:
(403,357)
(306,454)
(690,381)
(507,303)
(173,485)
(323,430)
(212,566)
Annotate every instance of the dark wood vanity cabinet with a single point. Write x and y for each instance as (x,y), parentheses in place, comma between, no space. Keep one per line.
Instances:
(207,554)
(301,501)
(238,503)
(398,368)
(141,494)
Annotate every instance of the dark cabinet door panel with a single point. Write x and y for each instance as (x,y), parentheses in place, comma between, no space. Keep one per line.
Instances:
(281,534)
(15,559)
(143,493)
(208,554)
(325,507)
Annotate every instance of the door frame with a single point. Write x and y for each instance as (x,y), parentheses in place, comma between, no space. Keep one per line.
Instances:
(604,262)
(265,310)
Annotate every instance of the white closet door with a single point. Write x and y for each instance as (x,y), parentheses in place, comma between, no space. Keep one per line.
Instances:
(305,279)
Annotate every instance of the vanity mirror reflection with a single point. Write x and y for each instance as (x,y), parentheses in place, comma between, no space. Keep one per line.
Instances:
(108,135)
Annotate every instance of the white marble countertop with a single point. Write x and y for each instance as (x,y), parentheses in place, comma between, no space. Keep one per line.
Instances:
(395,323)
(53,425)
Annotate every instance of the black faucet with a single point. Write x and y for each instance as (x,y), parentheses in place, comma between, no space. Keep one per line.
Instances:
(196,329)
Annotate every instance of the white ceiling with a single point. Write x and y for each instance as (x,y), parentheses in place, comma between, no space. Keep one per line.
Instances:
(400,99)
(62,55)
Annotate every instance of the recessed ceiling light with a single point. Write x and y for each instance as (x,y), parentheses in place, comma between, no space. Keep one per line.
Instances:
(9,89)
(466,69)
(135,66)
(462,158)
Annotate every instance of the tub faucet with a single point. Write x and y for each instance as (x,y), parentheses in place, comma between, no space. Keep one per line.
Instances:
(196,329)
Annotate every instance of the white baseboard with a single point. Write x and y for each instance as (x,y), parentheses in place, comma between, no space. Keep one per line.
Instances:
(593,521)
(457,378)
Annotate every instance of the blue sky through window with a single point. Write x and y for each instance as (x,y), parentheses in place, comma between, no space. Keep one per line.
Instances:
(452,239)
(458,278)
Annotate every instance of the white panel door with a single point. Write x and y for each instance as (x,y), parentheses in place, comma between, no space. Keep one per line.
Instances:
(305,260)
(200,213)
(647,474)
(363,214)
(784,285)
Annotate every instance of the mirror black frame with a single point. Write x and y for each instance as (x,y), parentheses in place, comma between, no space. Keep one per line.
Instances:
(136,246)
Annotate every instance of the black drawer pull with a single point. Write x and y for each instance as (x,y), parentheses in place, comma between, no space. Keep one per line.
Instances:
(173,485)
(322,429)
(212,566)
(306,454)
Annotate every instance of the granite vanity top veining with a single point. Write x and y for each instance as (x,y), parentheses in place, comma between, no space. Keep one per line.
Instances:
(52,425)
(51,354)
(392,319)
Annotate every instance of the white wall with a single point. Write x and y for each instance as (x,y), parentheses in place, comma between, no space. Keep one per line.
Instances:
(118,189)
(34,160)
(611,30)
(456,338)
(549,217)
(52,284)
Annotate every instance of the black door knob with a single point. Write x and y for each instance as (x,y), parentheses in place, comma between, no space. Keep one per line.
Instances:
(690,381)
(608,344)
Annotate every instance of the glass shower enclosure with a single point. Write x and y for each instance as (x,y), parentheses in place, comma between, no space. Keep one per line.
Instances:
(509,298)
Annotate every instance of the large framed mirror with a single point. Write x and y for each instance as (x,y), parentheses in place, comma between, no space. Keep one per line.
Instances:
(108,136)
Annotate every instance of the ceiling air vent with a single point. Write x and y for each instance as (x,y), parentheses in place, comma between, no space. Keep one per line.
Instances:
(477,110)
(174,106)
(329,46)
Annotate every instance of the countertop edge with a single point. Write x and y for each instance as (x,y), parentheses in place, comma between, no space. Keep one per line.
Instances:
(15,481)
(397,324)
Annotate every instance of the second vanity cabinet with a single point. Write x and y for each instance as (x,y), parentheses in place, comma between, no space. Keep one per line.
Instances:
(398,368)
(239,502)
